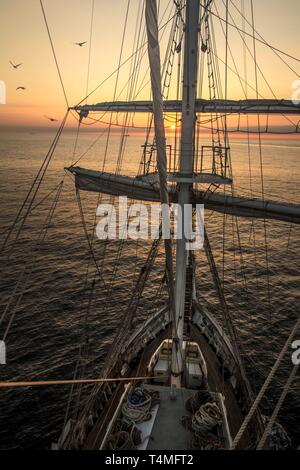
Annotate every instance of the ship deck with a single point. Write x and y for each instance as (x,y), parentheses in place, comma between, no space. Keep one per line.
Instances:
(167,431)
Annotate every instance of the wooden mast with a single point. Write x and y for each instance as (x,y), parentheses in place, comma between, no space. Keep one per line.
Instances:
(186,168)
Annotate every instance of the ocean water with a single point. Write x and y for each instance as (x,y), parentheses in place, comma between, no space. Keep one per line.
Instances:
(54,315)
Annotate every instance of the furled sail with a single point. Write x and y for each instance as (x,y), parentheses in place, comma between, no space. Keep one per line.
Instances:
(160,138)
(145,190)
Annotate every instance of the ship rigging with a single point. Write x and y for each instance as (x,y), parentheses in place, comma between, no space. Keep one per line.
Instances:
(178,379)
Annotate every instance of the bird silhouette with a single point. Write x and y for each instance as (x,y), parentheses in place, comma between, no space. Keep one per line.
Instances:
(20,88)
(15,66)
(51,119)
(80,44)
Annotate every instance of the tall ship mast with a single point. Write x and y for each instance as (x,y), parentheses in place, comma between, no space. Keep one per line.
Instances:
(190,359)
(178,380)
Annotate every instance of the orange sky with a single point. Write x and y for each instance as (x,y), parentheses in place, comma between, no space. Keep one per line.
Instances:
(23,38)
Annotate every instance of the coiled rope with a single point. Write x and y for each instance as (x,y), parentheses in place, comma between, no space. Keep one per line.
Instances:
(203,422)
(206,418)
(264,388)
(139,404)
(125,437)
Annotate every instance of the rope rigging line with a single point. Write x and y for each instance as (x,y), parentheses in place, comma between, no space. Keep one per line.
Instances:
(103,165)
(245,92)
(134,66)
(143,80)
(238,129)
(108,289)
(261,164)
(39,243)
(160,139)
(253,56)
(139,50)
(263,389)
(36,182)
(79,367)
(130,90)
(121,153)
(166,74)
(124,127)
(87,236)
(90,48)
(84,336)
(241,255)
(91,258)
(81,364)
(116,342)
(289,238)
(142,84)
(253,37)
(122,64)
(226,142)
(239,76)
(277,408)
(136,295)
(47,383)
(261,37)
(247,131)
(248,143)
(225,33)
(228,320)
(35,206)
(92,145)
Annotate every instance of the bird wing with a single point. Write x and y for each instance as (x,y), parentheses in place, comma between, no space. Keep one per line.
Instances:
(50,118)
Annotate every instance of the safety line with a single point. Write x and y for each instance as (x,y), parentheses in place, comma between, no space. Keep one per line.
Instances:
(43,383)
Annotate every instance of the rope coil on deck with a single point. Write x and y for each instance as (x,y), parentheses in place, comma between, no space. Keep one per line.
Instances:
(136,410)
(126,436)
(207,417)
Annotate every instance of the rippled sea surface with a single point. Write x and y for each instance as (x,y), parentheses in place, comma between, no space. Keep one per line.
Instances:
(46,304)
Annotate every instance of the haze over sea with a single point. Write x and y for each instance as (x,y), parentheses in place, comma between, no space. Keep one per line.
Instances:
(53,317)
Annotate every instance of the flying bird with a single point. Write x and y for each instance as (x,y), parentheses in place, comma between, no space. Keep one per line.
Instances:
(80,44)
(20,88)
(51,119)
(15,66)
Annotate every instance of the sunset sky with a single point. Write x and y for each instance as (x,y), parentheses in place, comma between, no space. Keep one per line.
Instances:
(23,39)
